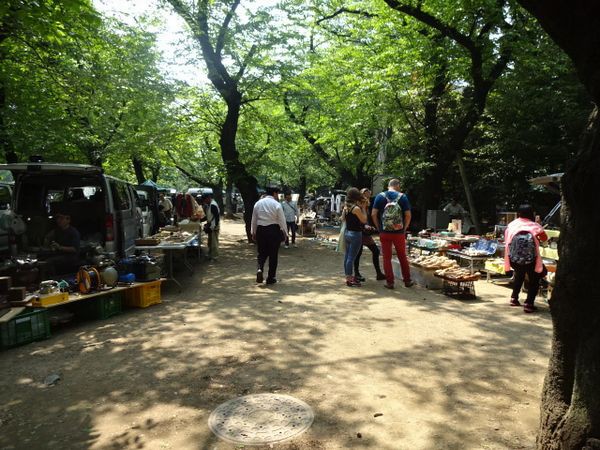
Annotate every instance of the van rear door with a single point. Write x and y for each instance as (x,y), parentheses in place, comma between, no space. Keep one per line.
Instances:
(126,219)
(152,193)
(552,183)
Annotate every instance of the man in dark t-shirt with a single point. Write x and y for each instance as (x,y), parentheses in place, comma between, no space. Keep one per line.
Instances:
(63,243)
(393,237)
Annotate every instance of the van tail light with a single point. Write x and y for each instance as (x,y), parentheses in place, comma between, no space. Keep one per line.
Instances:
(12,240)
(110,232)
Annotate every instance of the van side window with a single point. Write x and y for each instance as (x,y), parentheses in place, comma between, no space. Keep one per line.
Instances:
(53,197)
(5,199)
(120,197)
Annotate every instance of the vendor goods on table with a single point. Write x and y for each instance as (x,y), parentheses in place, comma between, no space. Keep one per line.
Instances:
(431,244)
(180,236)
(165,236)
(147,242)
(475,252)
(457,274)
(458,237)
(433,262)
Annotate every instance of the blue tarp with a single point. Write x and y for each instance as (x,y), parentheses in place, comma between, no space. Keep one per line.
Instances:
(486,245)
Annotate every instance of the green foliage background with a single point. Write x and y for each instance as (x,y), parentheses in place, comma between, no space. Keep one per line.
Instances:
(336,94)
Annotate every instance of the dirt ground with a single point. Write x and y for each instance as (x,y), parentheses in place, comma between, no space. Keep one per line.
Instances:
(443,373)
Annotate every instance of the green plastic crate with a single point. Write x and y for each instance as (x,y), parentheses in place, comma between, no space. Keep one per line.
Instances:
(31,325)
(103,306)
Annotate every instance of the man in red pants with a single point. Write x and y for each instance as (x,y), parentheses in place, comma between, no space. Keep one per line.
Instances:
(391,216)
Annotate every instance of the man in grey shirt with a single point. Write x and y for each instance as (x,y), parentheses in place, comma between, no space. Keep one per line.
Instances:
(290,211)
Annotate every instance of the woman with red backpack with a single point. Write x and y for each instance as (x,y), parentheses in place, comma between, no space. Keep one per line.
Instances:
(522,254)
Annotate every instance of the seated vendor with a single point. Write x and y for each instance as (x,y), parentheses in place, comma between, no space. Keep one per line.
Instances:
(62,245)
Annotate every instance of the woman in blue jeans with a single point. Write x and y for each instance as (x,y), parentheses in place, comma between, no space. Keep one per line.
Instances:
(355,218)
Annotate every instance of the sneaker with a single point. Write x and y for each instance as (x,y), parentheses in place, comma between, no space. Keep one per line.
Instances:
(360,278)
(529,308)
(259,276)
(380,276)
(294,245)
(514,302)
(286,246)
(271,280)
(409,283)
(389,285)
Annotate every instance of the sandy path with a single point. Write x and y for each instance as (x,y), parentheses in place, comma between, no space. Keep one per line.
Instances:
(444,373)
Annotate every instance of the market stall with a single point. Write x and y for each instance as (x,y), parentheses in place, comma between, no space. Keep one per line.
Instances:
(438,272)
(170,240)
(24,316)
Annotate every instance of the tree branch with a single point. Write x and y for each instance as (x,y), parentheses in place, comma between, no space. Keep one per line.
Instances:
(224,27)
(429,19)
(186,173)
(114,130)
(198,23)
(347,11)
(247,59)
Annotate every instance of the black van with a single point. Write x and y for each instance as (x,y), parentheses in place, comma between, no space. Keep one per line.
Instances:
(102,208)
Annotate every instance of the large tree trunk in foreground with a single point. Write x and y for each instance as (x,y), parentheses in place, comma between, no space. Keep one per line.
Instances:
(570,410)
(236,171)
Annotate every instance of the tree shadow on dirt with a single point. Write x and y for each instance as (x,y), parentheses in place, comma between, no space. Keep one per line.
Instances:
(153,376)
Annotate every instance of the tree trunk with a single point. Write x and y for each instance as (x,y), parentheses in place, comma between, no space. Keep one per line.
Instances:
(228,195)
(431,188)
(94,156)
(570,411)
(154,172)
(138,169)
(359,180)
(302,189)
(218,193)
(236,171)
(467,187)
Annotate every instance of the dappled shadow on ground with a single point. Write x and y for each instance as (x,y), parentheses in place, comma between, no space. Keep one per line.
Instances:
(150,378)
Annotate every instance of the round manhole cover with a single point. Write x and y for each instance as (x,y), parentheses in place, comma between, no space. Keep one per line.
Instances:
(260,419)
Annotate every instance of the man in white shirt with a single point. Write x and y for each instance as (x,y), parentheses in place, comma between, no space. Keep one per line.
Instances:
(268,230)
(166,207)
(290,211)
(454,209)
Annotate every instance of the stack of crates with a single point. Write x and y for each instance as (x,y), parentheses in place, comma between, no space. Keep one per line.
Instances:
(31,325)
(102,306)
(143,295)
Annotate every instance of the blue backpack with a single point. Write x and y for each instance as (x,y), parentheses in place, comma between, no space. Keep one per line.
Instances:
(522,248)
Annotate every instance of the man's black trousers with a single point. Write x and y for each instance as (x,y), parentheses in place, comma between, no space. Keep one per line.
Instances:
(268,240)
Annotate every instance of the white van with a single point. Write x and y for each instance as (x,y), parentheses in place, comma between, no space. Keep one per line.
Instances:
(102,208)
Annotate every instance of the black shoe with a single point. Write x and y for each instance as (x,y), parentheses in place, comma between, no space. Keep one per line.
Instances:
(271,280)
(360,278)
(380,276)
(259,276)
